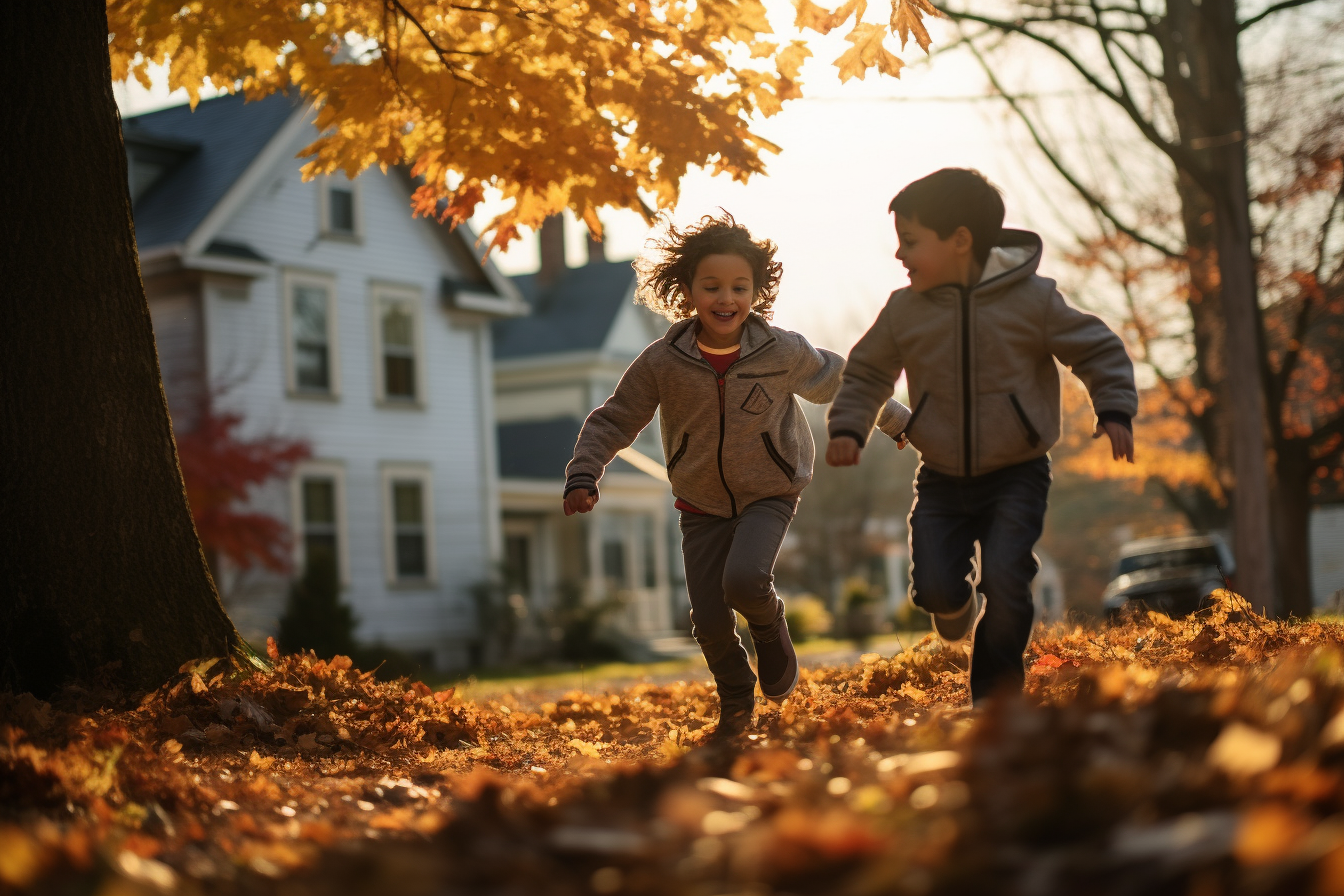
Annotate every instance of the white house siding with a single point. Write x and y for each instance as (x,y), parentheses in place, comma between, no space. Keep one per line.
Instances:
(179,342)
(246,348)
(1327,551)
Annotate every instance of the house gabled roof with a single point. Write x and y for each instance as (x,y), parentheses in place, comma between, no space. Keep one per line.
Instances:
(205,152)
(541,449)
(198,164)
(575,314)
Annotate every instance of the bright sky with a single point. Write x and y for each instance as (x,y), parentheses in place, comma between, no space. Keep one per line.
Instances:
(847,149)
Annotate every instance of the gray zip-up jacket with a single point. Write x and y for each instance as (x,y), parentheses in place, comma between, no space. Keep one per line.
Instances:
(728,440)
(980,364)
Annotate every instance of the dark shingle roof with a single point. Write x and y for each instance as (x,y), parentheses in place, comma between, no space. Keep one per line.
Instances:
(541,449)
(226,133)
(573,315)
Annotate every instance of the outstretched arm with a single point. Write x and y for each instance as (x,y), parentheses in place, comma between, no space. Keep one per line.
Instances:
(868,383)
(609,429)
(1097,356)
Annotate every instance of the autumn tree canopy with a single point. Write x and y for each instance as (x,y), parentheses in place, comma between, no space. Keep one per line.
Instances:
(555,104)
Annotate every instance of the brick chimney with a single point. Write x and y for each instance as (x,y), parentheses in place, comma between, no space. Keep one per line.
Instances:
(551,242)
(596,253)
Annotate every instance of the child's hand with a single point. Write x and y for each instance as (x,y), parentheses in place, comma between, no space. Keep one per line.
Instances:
(580,501)
(1122,440)
(842,451)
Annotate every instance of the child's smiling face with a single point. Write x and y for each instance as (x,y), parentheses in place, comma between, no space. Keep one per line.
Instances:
(931,260)
(722,293)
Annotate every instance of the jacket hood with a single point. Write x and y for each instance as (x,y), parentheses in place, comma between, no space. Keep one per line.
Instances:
(755,333)
(1014,258)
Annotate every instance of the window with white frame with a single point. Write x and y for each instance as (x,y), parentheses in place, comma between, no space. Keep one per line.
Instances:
(318,496)
(339,208)
(409,530)
(396,328)
(310,326)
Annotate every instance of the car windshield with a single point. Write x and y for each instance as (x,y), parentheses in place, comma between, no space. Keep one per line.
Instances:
(1205,556)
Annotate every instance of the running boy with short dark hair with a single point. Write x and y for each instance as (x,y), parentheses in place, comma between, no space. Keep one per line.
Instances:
(977,333)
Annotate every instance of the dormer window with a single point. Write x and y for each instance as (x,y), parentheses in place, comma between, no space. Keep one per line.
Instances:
(340,209)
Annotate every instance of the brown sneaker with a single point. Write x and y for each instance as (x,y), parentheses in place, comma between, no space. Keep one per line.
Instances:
(733,720)
(776,662)
(952,627)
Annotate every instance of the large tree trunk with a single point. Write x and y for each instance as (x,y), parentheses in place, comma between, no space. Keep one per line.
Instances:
(101,574)
(1292,517)
(1202,72)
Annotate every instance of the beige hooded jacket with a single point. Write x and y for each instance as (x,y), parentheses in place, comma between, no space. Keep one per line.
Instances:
(728,440)
(980,364)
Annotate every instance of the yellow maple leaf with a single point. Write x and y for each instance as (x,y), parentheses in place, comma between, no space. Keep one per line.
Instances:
(907,18)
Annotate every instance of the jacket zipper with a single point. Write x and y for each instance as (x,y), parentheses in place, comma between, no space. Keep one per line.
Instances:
(966,376)
(732,502)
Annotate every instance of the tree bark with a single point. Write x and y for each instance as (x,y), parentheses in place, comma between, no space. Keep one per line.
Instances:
(1203,77)
(102,579)
(1292,512)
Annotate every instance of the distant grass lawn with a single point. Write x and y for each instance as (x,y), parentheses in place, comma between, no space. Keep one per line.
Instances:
(487,683)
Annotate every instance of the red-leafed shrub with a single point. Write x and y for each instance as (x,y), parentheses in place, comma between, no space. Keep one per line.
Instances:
(219,468)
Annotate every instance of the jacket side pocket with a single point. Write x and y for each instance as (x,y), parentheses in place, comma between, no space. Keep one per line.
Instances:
(914,415)
(788,469)
(1033,437)
(680,452)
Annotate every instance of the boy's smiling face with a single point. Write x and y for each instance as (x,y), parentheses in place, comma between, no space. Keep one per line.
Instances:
(931,260)
(722,293)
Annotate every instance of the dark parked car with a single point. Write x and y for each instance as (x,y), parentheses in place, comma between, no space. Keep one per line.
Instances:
(1172,574)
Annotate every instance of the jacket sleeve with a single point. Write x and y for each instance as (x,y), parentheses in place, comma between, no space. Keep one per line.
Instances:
(868,382)
(893,418)
(815,371)
(614,425)
(1095,354)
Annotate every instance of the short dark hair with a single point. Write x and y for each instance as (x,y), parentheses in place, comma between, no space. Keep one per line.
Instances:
(952,198)
(664,276)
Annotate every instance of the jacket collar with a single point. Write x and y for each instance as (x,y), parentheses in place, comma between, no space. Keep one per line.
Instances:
(756,334)
(1013,259)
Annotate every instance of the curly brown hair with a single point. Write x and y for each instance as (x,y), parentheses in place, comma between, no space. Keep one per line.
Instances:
(665,274)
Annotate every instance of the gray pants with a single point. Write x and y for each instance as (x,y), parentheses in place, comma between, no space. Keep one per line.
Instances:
(730,566)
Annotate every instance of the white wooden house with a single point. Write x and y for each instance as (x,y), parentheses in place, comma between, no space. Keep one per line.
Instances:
(325,311)
(552,368)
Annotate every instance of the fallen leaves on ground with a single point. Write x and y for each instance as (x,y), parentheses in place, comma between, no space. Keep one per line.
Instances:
(1202,756)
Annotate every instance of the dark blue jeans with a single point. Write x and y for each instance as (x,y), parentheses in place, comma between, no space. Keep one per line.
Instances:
(1003,511)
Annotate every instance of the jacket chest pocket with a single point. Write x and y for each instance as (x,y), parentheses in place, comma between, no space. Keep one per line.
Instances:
(758,401)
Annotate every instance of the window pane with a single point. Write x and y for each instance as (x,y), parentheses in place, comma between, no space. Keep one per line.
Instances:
(310,367)
(310,314)
(650,556)
(341,204)
(613,561)
(517,572)
(411,555)
(399,376)
(397,328)
(406,504)
(319,501)
(319,547)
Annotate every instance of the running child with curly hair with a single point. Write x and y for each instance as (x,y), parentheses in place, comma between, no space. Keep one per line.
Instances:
(739,450)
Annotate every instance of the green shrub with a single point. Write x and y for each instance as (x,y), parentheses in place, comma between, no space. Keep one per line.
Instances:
(807,617)
(315,616)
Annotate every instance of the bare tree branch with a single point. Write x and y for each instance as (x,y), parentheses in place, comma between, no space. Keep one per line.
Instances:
(1178,153)
(1270,10)
(1088,196)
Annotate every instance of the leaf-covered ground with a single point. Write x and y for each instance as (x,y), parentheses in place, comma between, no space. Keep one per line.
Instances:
(1203,756)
